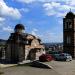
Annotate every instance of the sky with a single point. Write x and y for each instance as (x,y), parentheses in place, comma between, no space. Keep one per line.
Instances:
(42,18)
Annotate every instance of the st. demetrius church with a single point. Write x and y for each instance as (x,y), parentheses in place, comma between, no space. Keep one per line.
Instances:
(23,46)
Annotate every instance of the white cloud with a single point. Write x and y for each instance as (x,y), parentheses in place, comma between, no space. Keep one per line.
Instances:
(9,11)
(61,14)
(69,2)
(24,10)
(31,1)
(66,7)
(57,9)
(7,29)
(50,8)
(34,32)
(52,37)
(47,6)
(54,7)
(26,1)
(2,19)
(72,2)
(55,4)
(35,29)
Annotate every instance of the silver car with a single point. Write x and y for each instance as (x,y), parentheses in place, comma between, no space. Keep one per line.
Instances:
(68,56)
(63,57)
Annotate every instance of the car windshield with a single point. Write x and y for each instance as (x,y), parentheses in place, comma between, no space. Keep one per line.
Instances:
(66,54)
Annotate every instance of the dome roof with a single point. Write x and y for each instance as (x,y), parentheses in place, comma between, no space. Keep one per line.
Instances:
(70,15)
(19,26)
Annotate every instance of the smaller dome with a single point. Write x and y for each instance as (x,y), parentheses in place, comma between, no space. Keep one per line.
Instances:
(19,26)
(70,15)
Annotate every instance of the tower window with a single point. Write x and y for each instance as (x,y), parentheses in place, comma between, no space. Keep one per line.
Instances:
(68,39)
(65,26)
(68,24)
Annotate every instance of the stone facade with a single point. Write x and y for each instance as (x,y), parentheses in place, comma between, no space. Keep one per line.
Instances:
(69,34)
(23,46)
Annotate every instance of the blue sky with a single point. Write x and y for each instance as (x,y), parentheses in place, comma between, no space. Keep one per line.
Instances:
(42,18)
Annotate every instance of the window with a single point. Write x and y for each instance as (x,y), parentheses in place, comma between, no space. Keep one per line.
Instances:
(68,39)
(68,24)
(65,26)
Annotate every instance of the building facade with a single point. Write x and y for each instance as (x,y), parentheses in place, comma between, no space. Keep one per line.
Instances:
(69,34)
(23,46)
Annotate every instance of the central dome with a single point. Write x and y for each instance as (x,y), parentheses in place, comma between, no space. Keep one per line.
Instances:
(19,26)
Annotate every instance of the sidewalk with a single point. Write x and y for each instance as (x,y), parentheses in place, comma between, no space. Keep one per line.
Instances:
(7,65)
(10,65)
(63,67)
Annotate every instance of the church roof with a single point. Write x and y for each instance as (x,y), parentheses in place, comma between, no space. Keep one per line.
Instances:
(19,26)
(70,15)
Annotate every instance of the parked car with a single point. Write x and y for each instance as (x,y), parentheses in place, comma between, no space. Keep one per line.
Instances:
(63,57)
(45,57)
(54,53)
(68,56)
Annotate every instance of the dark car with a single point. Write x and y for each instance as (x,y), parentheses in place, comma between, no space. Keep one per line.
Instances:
(45,57)
(59,57)
(54,53)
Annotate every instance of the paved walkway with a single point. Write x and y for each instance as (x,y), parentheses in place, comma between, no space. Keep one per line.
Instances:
(26,70)
(59,68)
(63,68)
(7,65)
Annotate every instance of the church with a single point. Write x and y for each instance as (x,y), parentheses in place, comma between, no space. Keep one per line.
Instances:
(69,33)
(23,46)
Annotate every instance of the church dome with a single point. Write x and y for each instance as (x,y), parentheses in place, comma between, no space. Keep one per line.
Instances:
(70,15)
(19,26)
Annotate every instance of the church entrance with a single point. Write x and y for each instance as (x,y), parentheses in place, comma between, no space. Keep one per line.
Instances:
(32,54)
(35,53)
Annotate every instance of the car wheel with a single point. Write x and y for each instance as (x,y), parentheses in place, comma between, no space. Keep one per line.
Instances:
(67,60)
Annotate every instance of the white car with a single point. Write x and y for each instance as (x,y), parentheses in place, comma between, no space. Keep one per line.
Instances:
(68,56)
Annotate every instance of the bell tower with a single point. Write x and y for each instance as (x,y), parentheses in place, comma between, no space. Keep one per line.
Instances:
(69,34)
